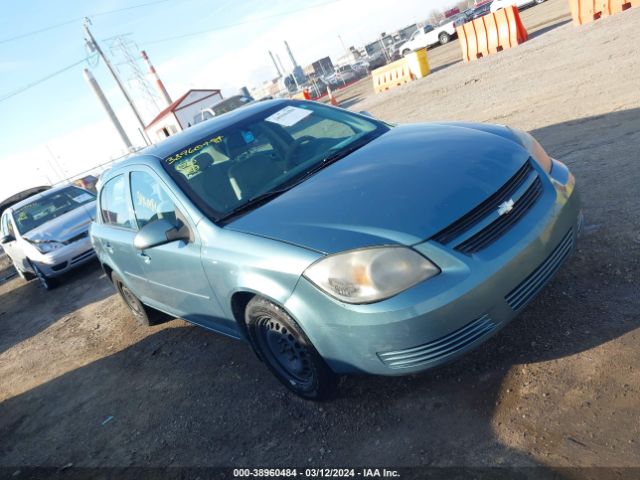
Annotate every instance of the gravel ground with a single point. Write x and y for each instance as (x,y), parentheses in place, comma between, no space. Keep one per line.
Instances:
(82,385)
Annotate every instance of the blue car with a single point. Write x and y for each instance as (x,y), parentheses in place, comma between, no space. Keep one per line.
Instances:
(333,243)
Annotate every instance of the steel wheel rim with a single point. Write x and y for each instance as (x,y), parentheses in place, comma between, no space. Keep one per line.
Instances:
(131,300)
(288,356)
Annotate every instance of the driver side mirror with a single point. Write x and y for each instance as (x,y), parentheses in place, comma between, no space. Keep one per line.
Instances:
(160,232)
(7,238)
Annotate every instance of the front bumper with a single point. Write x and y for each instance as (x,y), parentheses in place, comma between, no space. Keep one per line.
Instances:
(65,258)
(450,314)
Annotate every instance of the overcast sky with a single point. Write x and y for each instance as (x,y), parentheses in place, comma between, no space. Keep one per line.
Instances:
(58,128)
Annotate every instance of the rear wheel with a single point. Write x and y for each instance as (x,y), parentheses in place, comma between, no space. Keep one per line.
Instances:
(137,308)
(287,351)
(444,38)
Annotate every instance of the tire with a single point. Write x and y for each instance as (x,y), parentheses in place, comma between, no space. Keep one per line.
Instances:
(138,309)
(406,51)
(287,351)
(26,276)
(45,282)
(444,38)
(538,2)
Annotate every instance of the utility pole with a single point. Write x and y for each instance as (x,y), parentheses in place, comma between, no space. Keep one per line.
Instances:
(105,103)
(94,45)
(344,47)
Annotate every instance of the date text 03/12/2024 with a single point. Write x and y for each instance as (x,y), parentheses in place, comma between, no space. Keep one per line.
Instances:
(315,473)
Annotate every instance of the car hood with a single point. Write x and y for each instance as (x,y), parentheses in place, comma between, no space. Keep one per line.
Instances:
(401,188)
(64,227)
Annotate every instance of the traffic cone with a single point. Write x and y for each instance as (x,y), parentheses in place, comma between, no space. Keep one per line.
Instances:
(332,99)
(306,94)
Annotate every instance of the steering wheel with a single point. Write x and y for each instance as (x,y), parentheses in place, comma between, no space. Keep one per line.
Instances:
(288,156)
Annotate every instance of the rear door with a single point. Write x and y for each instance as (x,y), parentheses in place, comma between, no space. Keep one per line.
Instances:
(176,281)
(10,248)
(114,232)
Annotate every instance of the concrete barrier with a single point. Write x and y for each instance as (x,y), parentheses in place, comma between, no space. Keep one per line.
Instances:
(411,67)
(491,34)
(586,11)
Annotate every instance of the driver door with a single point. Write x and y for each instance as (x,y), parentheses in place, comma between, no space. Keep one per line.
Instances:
(176,282)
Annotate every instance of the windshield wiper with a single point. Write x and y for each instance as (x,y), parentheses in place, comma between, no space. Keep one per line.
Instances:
(254,202)
(332,158)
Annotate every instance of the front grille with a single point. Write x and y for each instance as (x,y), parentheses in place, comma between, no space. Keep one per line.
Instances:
(490,205)
(439,349)
(531,286)
(495,230)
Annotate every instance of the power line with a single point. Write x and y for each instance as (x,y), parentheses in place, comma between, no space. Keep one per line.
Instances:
(232,25)
(41,80)
(73,20)
(88,58)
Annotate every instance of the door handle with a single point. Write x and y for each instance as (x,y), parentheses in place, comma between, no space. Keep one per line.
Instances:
(108,248)
(145,257)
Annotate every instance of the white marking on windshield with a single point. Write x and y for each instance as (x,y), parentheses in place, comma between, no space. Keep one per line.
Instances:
(288,116)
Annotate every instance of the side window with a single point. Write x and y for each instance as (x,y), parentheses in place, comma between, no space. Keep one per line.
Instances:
(114,203)
(7,226)
(150,200)
(4,227)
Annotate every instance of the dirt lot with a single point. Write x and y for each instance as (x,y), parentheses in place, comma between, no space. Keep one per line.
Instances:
(560,386)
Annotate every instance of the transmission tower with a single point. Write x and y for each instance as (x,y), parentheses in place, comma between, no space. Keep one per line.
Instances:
(127,51)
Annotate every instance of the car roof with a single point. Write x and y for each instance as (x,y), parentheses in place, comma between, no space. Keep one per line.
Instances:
(192,134)
(40,195)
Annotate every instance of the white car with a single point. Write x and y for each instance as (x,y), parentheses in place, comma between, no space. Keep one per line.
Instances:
(47,234)
(498,4)
(428,36)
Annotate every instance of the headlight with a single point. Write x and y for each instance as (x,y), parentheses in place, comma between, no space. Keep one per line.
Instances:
(46,247)
(370,275)
(534,148)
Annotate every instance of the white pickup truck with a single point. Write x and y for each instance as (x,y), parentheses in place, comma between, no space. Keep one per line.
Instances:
(429,35)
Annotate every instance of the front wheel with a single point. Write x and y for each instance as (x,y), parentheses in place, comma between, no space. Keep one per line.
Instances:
(45,282)
(405,52)
(444,38)
(26,276)
(287,351)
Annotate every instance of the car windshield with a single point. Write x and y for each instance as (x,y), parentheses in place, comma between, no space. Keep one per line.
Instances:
(50,206)
(231,169)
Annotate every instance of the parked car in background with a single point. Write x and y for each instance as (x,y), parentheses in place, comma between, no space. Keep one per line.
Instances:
(223,106)
(498,4)
(334,243)
(342,75)
(428,36)
(377,60)
(480,11)
(362,67)
(47,234)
